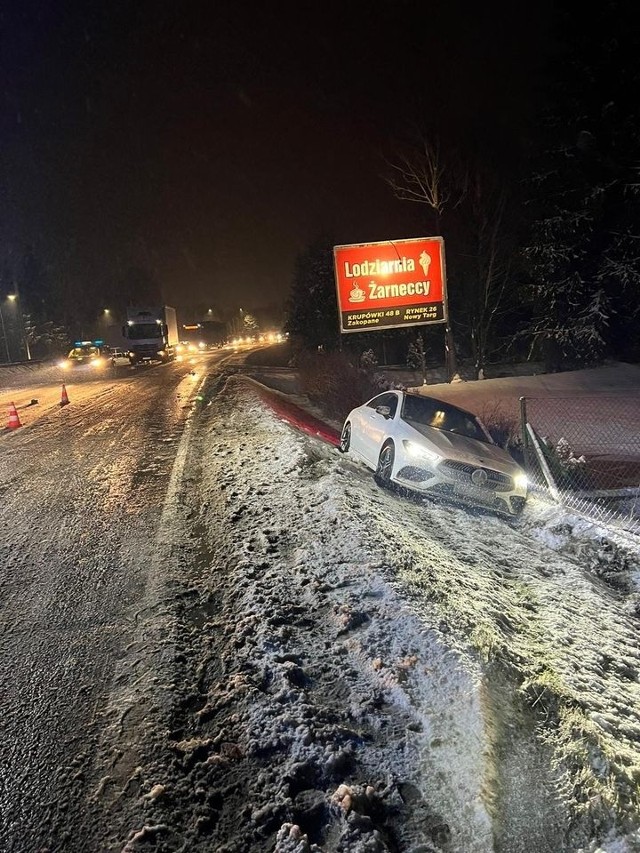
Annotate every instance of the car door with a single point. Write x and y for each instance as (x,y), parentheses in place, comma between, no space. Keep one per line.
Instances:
(376,424)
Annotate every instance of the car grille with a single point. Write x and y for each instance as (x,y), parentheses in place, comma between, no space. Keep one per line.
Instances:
(414,474)
(461,472)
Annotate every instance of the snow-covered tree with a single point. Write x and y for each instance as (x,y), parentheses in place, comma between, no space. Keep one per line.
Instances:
(250,324)
(417,356)
(583,252)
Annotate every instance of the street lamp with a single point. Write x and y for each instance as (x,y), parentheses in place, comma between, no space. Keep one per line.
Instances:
(13,297)
(4,335)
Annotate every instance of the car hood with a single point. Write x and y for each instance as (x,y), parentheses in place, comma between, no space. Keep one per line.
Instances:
(469,450)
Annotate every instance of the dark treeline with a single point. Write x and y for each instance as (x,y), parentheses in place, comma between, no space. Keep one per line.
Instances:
(541,225)
(539,210)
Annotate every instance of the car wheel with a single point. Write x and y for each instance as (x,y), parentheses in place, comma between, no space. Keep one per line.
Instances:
(345,438)
(385,465)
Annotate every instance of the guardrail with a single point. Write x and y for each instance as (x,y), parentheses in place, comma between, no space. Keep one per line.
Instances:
(585,453)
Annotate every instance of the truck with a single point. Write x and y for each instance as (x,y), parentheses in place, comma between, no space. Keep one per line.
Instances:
(151,334)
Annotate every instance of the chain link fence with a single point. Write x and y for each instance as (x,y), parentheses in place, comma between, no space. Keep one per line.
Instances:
(585,453)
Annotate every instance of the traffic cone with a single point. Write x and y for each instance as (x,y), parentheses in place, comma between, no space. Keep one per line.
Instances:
(14,420)
(64,400)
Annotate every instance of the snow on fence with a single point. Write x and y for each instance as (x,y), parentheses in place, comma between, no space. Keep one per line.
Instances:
(585,452)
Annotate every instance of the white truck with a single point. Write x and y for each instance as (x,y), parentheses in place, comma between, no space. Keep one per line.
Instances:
(151,334)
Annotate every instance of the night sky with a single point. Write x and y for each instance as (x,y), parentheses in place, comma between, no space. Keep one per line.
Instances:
(210,143)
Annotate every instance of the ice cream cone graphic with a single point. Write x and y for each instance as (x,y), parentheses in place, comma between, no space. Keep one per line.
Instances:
(425,262)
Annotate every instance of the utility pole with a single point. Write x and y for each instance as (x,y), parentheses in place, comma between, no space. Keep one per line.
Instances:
(15,297)
(4,335)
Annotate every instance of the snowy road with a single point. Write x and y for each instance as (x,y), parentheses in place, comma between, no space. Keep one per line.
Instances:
(218,634)
(82,490)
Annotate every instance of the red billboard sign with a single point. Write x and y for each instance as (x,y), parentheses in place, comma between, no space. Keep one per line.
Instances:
(390,284)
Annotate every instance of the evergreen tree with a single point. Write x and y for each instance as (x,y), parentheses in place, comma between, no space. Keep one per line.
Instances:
(312,309)
(583,255)
(250,324)
(417,356)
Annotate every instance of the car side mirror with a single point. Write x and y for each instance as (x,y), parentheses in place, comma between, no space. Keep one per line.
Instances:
(385,411)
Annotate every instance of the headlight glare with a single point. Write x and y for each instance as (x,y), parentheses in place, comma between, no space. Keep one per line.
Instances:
(416,450)
(521,481)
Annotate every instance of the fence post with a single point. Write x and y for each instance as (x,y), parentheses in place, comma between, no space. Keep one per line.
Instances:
(551,483)
(523,430)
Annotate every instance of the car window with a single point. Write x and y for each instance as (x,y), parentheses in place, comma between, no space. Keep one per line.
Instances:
(439,415)
(390,400)
(84,352)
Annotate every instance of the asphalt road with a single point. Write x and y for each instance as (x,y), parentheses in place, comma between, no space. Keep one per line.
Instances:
(82,493)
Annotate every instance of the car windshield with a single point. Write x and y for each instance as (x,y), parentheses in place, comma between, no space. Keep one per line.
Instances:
(84,352)
(145,330)
(426,411)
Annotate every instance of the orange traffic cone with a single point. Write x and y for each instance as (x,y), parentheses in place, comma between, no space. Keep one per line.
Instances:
(64,400)
(14,420)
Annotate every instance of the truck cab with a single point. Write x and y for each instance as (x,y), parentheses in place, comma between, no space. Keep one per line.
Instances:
(151,334)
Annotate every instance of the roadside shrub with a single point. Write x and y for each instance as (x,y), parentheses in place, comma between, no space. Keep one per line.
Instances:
(504,428)
(570,471)
(336,381)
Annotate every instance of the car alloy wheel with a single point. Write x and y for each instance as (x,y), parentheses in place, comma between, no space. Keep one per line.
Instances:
(345,438)
(385,465)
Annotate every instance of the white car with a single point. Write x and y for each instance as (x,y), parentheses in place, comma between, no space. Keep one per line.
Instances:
(433,448)
(119,357)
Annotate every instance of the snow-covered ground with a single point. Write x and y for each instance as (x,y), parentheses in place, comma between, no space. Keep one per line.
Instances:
(321,665)
(351,670)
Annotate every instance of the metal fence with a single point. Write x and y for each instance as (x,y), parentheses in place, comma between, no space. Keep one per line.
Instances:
(585,453)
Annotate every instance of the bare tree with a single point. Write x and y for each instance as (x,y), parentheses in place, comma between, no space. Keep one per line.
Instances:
(419,174)
(491,271)
(466,186)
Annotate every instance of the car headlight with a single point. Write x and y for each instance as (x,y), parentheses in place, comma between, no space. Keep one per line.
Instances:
(520,481)
(412,448)
(63,364)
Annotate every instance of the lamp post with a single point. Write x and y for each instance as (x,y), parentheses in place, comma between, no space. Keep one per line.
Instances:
(13,297)
(4,335)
